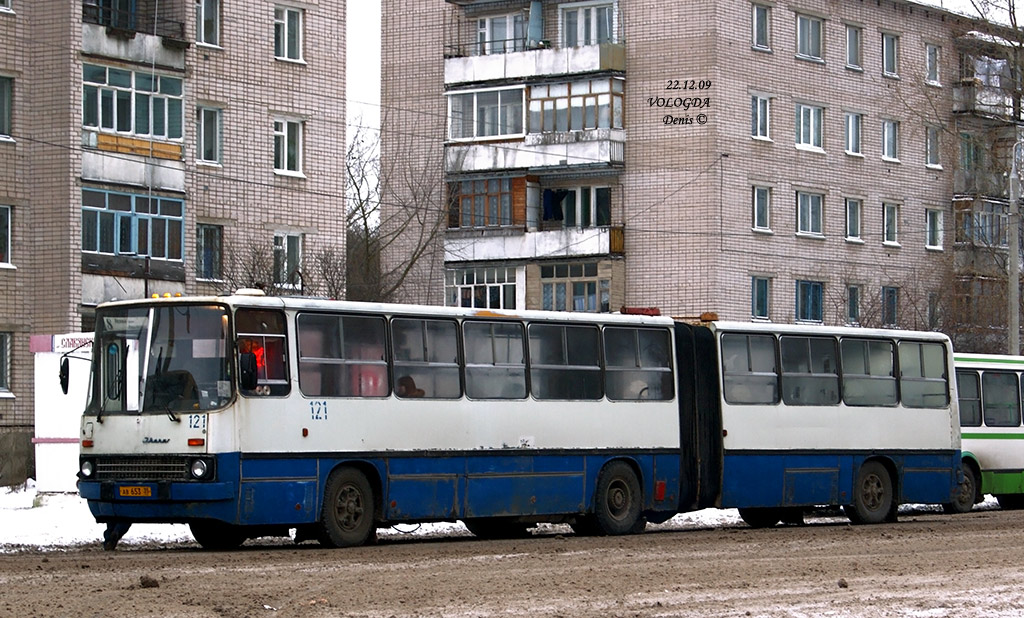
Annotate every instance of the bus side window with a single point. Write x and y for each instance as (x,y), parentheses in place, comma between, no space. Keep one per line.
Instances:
(749,369)
(969,392)
(261,332)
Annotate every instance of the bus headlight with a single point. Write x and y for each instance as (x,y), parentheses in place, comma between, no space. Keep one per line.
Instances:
(86,469)
(199,468)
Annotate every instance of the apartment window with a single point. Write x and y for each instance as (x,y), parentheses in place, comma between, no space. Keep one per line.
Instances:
(6,104)
(808,125)
(808,36)
(890,306)
(486,113)
(5,4)
(209,245)
(574,106)
(970,153)
(933,228)
(111,13)
(588,25)
(853,125)
(853,217)
(852,304)
(984,224)
(501,33)
(5,361)
(890,140)
(574,286)
(759,290)
(585,206)
(5,234)
(890,223)
(759,115)
(288,146)
(133,102)
(115,223)
(854,43)
(481,288)
(208,138)
(809,214)
(208,22)
(890,54)
(481,203)
(762,199)
(287,260)
(761,27)
(287,33)
(931,63)
(932,146)
(808,301)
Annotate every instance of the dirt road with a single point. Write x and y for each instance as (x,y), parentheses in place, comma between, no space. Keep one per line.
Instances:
(928,565)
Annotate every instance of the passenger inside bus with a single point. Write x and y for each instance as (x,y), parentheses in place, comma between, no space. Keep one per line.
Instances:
(406,387)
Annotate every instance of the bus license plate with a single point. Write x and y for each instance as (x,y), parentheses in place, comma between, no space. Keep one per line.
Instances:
(136,492)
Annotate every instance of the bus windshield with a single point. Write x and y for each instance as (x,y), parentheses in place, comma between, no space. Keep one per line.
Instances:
(160,360)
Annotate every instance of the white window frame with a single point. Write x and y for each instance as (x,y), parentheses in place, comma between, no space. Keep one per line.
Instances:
(810,37)
(933,238)
(854,47)
(208,22)
(890,54)
(204,231)
(890,224)
(288,135)
(126,90)
(761,27)
(288,46)
(816,311)
(932,56)
(5,236)
(760,117)
(890,316)
(287,259)
(474,110)
(6,345)
(933,147)
(474,287)
(854,219)
(6,106)
(853,305)
(890,140)
(853,133)
(809,122)
(587,23)
(761,208)
(760,297)
(512,40)
(5,5)
(209,126)
(810,213)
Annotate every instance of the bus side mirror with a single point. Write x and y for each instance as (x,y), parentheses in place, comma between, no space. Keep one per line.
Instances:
(247,376)
(64,376)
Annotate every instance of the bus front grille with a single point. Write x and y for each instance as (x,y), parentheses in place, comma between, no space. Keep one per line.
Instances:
(171,468)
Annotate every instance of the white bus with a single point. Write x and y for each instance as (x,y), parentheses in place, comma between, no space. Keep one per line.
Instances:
(248,416)
(989,387)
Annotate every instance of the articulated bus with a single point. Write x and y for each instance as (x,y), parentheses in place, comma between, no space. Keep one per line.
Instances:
(248,415)
(989,387)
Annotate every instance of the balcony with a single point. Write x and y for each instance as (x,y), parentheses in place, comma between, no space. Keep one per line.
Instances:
(979,183)
(566,242)
(591,148)
(532,63)
(973,97)
(125,19)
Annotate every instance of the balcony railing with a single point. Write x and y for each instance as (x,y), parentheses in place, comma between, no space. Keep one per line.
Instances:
(141,18)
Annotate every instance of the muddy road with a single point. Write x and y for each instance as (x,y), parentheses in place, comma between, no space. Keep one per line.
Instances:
(927,565)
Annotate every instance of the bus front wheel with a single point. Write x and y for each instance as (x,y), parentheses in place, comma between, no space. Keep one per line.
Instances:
(617,503)
(347,516)
(872,495)
(217,535)
(963,499)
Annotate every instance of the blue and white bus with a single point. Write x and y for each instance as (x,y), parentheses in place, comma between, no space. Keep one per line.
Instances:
(248,416)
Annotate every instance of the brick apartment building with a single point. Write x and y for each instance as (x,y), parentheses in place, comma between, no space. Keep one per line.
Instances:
(179,146)
(785,160)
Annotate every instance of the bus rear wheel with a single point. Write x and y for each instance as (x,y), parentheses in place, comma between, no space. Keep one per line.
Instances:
(347,516)
(872,495)
(618,501)
(966,492)
(217,535)
(496,528)
(760,517)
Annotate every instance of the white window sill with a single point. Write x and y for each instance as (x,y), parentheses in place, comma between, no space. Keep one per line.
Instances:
(890,75)
(890,160)
(8,139)
(810,235)
(809,148)
(759,138)
(760,318)
(289,174)
(891,243)
(810,59)
(762,230)
(763,50)
(850,153)
(202,163)
(202,280)
(855,68)
(800,321)
(933,248)
(210,46)
(290,60)
(933,166)
(854,240)
(5,394)
(6,10)
(933,84)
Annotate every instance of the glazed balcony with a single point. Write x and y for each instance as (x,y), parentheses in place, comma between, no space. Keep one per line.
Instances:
(486,245)
(465,67)
(591,148)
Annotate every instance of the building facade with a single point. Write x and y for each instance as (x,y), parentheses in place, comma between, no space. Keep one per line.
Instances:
(180,146)
(786,160)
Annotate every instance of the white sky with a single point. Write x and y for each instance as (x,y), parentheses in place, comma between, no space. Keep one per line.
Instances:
(363,63)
